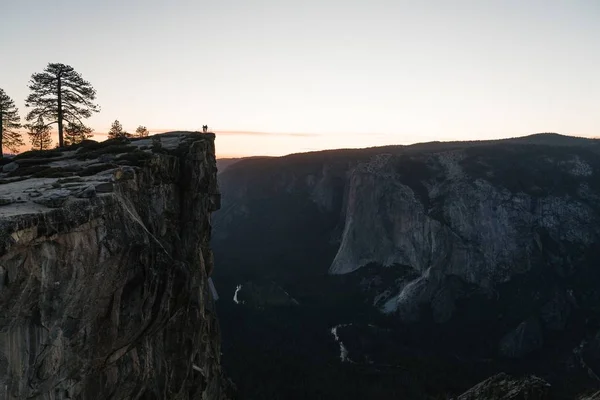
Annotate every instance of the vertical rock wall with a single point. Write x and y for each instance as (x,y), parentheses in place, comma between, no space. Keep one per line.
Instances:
(104,290)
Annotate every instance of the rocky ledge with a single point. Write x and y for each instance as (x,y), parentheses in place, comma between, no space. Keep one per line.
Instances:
(105,267)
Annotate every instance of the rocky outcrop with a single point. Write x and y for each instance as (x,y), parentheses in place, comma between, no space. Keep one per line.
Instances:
(505,387)
(104,272)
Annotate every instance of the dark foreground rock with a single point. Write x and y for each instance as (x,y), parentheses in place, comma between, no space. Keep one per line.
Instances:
(104,272)
(505,387)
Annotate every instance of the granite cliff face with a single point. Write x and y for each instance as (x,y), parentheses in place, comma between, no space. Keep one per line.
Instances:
(104,272)
(483,216)
(485,252)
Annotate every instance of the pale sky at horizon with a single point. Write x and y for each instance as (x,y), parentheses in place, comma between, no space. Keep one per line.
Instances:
(310,75)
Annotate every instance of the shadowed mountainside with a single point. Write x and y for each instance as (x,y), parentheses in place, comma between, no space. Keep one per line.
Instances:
(456,260)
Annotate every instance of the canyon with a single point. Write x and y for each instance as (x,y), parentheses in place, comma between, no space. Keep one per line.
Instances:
(415,271)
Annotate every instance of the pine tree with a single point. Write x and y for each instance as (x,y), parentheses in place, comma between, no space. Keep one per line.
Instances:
(60,94)
(76,133)
(141,131)
(116,131)
(39,135)
(10,122)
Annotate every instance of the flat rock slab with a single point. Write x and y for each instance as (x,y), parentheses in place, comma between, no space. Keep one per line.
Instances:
(35,182)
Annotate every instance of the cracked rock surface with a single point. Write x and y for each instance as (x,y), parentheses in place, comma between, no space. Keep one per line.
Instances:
(104,272)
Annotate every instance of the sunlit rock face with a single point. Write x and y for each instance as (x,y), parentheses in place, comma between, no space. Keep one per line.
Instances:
(104,272)
(482,214)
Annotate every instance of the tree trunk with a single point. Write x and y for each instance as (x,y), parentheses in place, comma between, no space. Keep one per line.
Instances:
(60,116)
(1,135)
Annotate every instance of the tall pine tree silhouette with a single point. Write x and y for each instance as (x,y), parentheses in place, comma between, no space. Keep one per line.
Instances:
(10,122)
(39,135)
(76,133)
(116,131)
(60,94)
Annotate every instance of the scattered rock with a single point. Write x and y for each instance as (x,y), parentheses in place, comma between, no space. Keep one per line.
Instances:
(10,167)
(505,387)
(35,193)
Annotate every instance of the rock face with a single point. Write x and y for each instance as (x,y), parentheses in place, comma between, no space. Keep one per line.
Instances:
(505,387)
(477,214)
(104,272)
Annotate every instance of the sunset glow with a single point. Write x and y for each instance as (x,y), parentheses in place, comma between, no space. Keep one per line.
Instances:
(278,77)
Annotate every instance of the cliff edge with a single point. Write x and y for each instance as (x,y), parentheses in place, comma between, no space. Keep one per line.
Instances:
(104,271)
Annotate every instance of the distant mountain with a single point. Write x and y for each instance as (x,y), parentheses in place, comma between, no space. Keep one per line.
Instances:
(224,163)
(418,270)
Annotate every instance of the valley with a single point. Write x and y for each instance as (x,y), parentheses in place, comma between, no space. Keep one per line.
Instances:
(438,265)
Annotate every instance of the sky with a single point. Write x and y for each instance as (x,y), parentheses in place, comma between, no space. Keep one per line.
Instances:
(273,77)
